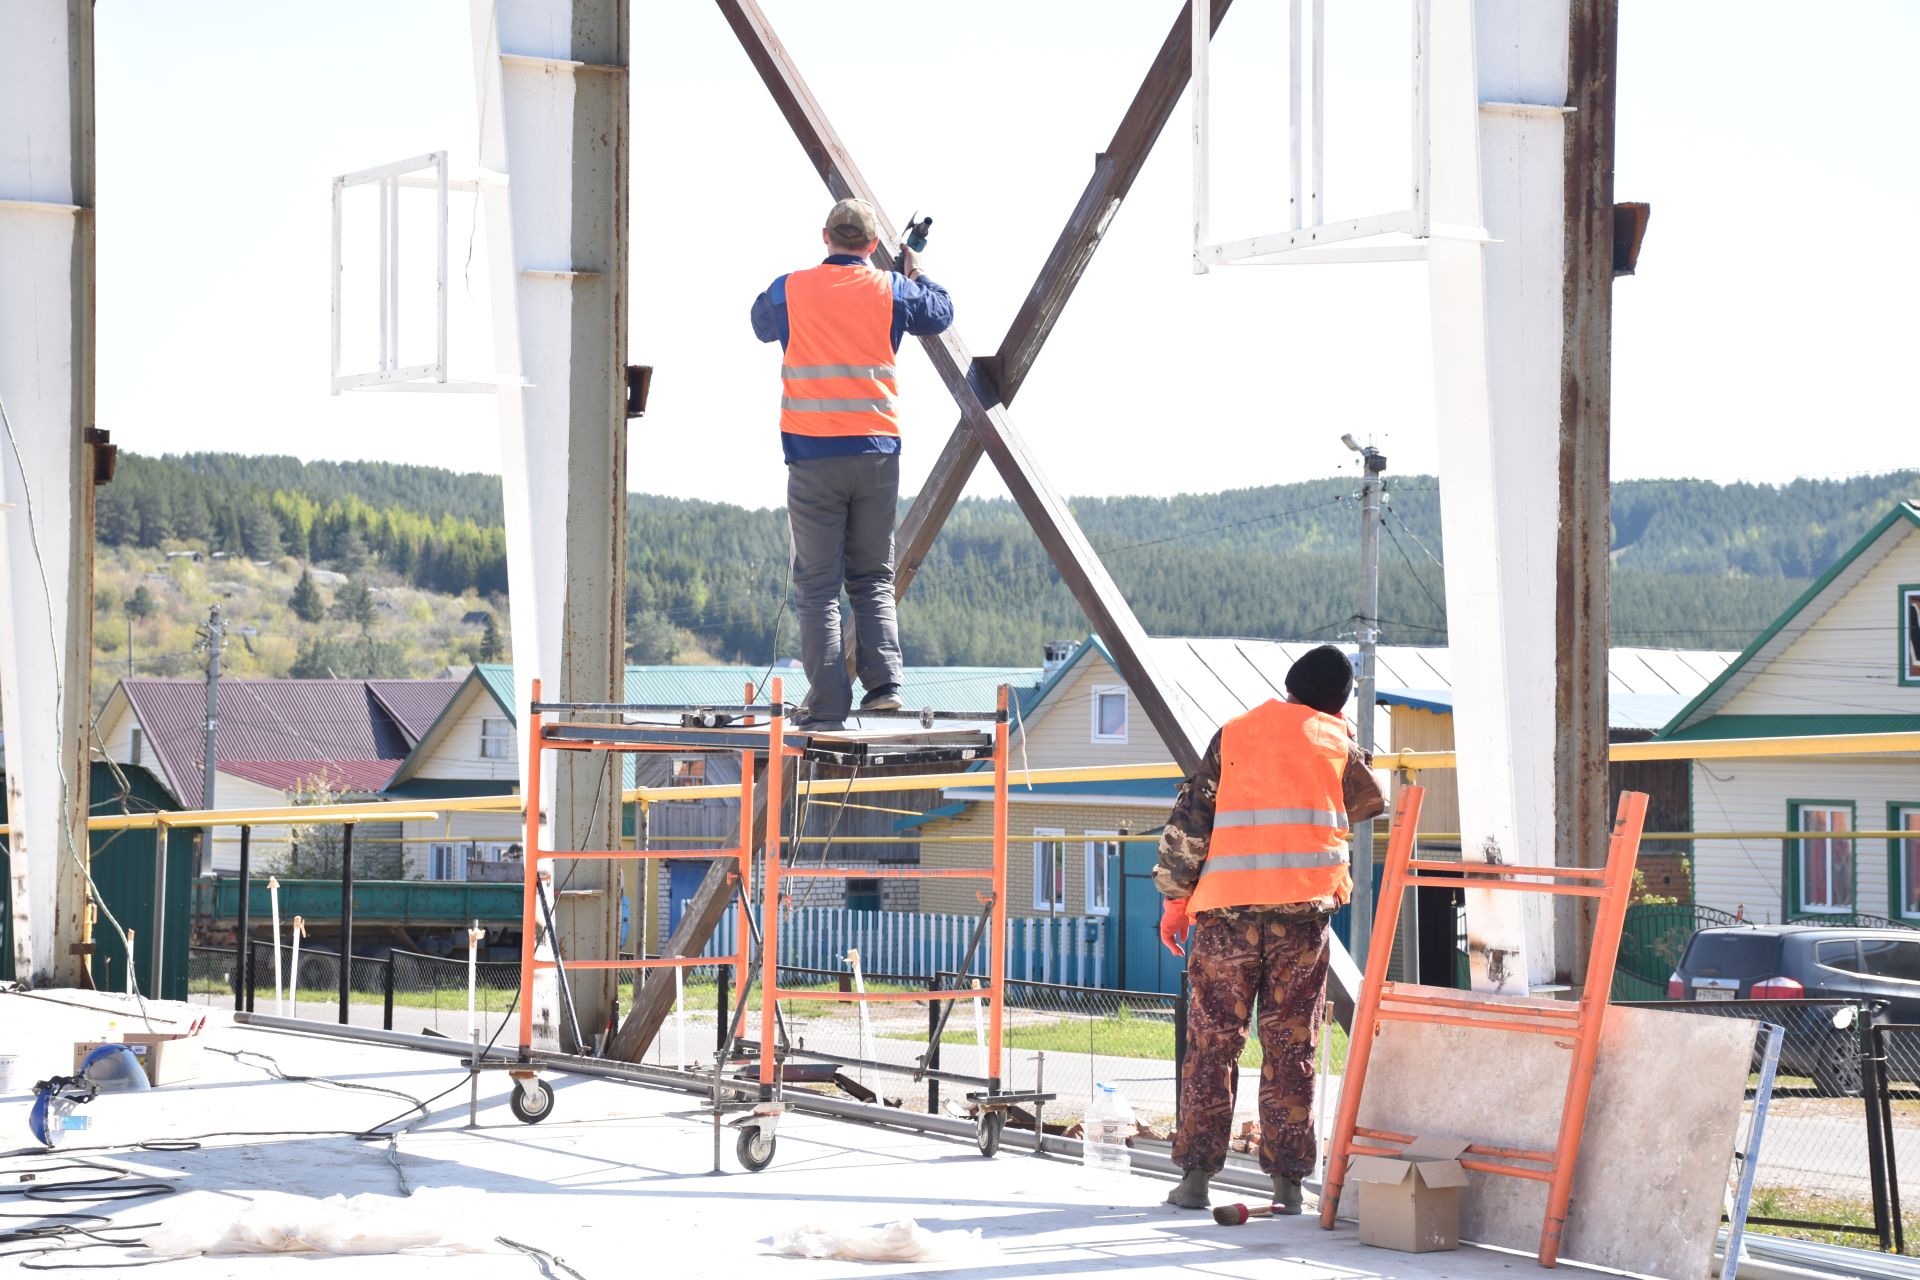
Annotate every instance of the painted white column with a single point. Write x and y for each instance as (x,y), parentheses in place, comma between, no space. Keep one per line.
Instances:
(1499,82)
(46,527)
(551,81)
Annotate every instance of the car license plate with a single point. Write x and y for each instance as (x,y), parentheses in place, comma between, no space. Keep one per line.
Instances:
(1713,993)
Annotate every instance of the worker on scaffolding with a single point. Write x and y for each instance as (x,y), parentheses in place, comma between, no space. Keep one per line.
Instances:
(1254,860)
(839,325)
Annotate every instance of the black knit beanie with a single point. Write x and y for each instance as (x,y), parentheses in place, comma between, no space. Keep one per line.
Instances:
(1322,679)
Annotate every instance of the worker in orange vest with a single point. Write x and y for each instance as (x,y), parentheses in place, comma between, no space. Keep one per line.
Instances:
(840,325)
(1254,860)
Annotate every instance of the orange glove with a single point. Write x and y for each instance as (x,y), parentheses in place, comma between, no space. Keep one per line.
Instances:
(1174,923)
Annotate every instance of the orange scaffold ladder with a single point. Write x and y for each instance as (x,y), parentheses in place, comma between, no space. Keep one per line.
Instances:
(1577,1023)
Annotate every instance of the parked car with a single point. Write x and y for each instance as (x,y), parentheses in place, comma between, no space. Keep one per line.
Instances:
(1808,962)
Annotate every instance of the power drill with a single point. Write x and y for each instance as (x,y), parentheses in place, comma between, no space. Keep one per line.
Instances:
(918,228)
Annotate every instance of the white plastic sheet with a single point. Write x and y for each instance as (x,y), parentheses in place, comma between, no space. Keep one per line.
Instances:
(901,1241)
(438,1220)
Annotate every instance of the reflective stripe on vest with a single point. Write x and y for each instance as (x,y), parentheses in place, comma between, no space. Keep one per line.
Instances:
(1280,823)
(838,376)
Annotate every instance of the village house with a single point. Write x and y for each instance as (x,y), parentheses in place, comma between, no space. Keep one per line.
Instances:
(1844,658)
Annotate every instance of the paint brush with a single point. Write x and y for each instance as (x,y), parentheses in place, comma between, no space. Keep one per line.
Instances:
(1235,1215)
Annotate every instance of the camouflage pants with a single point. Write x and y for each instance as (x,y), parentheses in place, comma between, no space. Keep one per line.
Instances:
(1280,963)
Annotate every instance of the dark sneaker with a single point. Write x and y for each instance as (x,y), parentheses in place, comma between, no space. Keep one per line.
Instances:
(1191,1193)
(1286,1194)
(885,698)
(811,724)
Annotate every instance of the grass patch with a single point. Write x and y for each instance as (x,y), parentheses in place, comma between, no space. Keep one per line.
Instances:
(1785,1202)
(698,996)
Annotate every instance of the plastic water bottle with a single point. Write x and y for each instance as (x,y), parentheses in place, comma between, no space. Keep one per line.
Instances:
(1108,1124)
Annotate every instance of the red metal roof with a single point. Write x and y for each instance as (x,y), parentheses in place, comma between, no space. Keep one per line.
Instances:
(415,704)
(275,722)
(355,776)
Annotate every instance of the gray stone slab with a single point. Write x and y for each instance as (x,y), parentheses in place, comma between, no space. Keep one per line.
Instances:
(1658,1143)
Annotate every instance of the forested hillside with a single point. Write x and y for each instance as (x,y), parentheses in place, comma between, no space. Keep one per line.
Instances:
(1695,563)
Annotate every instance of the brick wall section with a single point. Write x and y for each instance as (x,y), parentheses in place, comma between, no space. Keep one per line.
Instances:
(956,896)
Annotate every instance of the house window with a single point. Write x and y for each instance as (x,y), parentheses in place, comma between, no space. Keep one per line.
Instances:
(446,862)
(496,740)
(1910,633)
(1906,858)
(136,740)
(688,771)
(1823,866)
(1049,869)
(1110,713)
(1102,856)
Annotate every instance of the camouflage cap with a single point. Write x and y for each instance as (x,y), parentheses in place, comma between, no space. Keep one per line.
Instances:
(853,220)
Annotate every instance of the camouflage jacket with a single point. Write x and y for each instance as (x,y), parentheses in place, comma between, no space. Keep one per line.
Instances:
(1189,829)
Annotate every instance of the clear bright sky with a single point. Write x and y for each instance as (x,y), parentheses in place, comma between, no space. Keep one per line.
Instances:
(1771,330)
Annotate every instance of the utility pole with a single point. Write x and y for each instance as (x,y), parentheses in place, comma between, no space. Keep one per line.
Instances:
(216,631)
(1374,463)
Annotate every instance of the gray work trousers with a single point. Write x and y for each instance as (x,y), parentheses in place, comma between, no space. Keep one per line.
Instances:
(841,513)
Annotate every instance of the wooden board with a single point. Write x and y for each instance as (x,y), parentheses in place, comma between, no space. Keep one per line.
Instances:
(1654,1163)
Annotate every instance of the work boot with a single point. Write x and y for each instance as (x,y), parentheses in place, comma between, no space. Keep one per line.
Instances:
(1286,1194)
(885,698)
(1191,1193)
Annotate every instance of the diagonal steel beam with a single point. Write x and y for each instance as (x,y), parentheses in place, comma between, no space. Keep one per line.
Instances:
(978,396)
(1114,170)
(980,391)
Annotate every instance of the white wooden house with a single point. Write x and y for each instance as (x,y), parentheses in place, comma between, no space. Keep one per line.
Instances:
(1843,658)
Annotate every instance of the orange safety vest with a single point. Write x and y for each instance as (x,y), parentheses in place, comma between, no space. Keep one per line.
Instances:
(1279,817)
(837,377)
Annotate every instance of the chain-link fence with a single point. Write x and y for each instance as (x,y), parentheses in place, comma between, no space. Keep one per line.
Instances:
(1897,1059)
(309,983)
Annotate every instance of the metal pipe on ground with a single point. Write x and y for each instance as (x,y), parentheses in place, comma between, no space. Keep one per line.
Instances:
(688,1082)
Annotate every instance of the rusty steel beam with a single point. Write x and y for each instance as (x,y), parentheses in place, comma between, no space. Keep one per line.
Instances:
(976,394)
(1114,170)
(1581,820)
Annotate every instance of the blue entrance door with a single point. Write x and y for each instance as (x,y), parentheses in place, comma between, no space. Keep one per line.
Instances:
(683,881)
(1144,965)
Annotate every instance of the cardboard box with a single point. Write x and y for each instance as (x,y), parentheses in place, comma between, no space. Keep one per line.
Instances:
(167,1059)
(1411,1202)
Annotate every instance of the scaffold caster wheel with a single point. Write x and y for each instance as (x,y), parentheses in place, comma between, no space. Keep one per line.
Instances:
(754,1147)
(534,1110)
(986,1131)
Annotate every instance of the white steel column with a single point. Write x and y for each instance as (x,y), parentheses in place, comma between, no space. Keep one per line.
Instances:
(46,527)
(551,81)
(1499,86)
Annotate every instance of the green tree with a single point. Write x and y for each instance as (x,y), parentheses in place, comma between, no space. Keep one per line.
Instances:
(306,602)
(491,649)
(354,604)
(141,605)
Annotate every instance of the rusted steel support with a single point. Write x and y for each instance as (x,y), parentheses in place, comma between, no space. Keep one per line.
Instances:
(978,396)
(1586,360)
(1114,170)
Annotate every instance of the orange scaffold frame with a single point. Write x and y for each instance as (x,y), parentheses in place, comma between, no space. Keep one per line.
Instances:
(753,736)
(1580,1023)
(742,854)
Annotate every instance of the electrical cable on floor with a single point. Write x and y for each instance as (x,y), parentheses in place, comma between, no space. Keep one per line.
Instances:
(67,1235)
(549,1262)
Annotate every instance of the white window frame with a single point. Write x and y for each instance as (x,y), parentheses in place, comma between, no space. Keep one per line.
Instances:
(455,855)
(136,740)
(673,777)
(1810,849)
(1906,817)
(1042,838)
(503,738)
(1126,702)
(1100,846)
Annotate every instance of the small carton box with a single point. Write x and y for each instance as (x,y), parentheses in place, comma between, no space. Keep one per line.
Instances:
(167,1059)
(1411,1202)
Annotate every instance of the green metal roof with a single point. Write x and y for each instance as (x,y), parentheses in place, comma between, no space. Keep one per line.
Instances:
(1906,511)
(1792,726)
(498,677)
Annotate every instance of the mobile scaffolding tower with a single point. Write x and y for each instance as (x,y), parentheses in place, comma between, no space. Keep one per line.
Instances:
(758,733)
